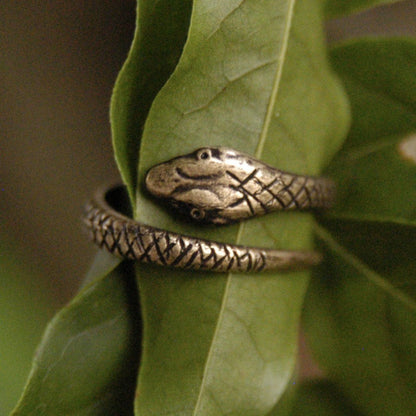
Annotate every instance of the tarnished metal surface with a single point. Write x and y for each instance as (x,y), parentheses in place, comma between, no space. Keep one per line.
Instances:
(219,185)
(127,238)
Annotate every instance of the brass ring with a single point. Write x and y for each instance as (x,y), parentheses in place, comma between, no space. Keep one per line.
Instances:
(127,238)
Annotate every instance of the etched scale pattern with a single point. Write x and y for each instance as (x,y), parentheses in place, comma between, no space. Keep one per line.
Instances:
(265,190)
(127,238)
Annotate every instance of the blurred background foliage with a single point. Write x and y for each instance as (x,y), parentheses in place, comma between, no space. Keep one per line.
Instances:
(58,64)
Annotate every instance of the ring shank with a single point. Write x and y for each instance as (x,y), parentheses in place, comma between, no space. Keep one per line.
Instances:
(124,237)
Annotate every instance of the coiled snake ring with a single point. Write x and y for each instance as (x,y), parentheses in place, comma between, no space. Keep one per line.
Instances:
(212,185)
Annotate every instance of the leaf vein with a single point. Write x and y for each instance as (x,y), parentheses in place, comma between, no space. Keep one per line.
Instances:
(375,278)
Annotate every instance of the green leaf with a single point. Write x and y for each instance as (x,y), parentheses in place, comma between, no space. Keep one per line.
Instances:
(253,76)
(321,398)
(336,8)
(24,309)
(377,165)
(86,363)
(161,28)
(360,316)
(360,310)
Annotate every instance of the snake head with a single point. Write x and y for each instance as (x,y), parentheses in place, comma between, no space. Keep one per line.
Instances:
(195,184)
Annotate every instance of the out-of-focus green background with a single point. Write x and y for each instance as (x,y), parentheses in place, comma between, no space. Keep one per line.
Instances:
(58,63)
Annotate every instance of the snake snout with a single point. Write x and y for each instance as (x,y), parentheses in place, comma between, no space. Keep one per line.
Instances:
(160,182)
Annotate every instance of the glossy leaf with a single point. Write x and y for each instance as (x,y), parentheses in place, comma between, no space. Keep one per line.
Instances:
(336,8)
(161,29)
(252,76)
(87,361)
(321,398)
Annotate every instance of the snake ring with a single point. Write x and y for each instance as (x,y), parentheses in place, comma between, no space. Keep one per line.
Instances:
(214,185)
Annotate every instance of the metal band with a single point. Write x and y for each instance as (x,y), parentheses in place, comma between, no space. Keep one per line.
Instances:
(124,237)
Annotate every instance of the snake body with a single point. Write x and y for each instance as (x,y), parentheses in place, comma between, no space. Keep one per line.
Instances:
(220,185)
(124,237)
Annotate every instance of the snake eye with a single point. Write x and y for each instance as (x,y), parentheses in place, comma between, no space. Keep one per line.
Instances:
(197,214)
(203,154)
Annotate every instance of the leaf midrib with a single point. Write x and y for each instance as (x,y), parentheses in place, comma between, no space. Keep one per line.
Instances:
(258,154)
